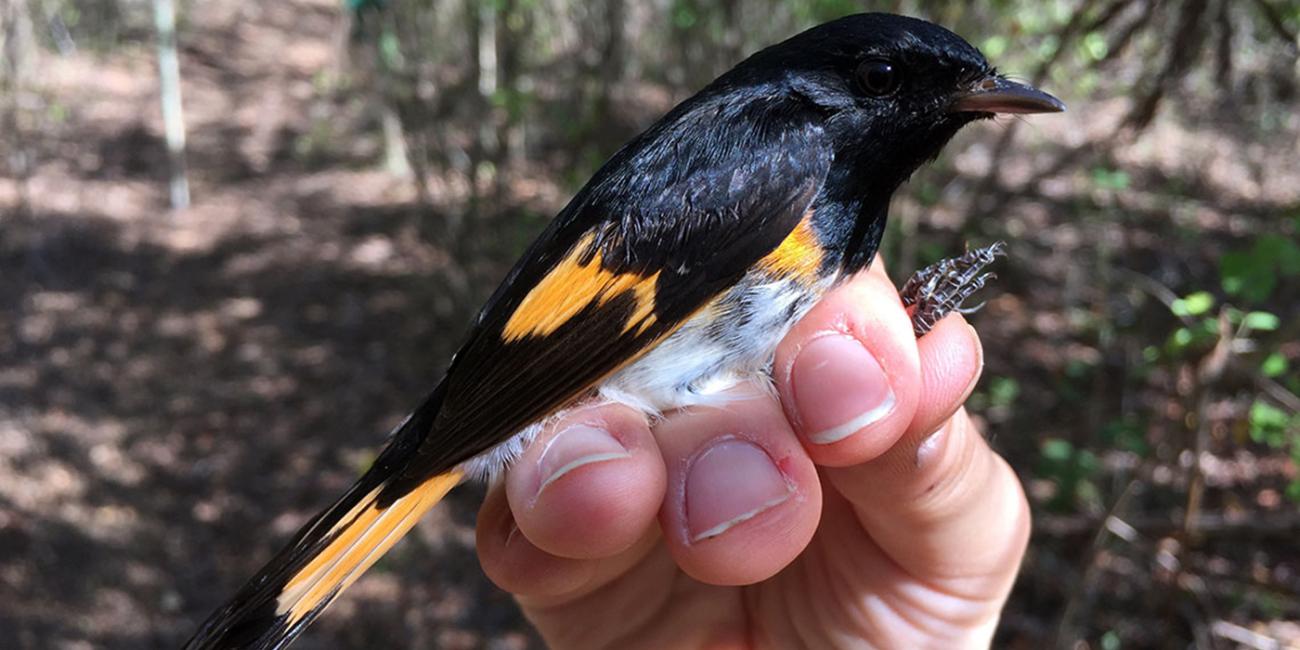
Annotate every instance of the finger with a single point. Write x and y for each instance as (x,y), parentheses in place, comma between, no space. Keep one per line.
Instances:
(743,497)
(590,484)
(951,512)
(535,577)
(952,359)
(849,374)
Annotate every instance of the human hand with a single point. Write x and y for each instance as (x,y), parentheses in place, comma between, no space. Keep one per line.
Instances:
(863,507)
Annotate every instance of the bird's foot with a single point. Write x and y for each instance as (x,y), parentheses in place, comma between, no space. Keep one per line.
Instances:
(940,289)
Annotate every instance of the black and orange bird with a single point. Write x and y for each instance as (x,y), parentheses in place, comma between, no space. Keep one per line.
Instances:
(669,277)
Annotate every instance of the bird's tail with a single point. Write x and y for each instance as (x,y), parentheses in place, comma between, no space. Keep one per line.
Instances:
(331,551)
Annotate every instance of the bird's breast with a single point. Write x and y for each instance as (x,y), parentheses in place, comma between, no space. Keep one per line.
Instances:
(732,339)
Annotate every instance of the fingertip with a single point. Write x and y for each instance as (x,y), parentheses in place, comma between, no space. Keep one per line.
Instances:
(513,563)
(952,359)
(744,499)
(849,374)
(590,485)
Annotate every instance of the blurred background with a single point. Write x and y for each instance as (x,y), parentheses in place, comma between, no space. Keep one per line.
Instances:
(239,239)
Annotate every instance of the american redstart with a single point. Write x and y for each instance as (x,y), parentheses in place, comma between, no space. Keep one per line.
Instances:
(671,276)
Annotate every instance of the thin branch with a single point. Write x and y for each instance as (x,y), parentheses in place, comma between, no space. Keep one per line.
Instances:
(1121,42)
(1101,530)
(1282,525)
(1158,291)
(1278,24)
(1179,57)
(1278,392)
(1246,637)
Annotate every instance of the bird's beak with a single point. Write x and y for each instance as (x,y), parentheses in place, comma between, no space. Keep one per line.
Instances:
(997,94)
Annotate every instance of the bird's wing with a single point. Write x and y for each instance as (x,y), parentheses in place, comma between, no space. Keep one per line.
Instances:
(677,222)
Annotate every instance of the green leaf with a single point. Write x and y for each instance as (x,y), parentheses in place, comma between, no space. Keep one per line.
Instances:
(1262,321)
(1094,44)
(684,17)
(1274,365)
(1193,305)
(1003,391)
(1057,449)
(994,46)
(1281,252)
(1110,179)
(1268,424)
(1110,641)
(390,50)
(1253,273)
(1293,491)
(1127,433)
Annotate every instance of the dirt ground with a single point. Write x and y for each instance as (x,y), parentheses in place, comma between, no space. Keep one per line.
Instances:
(180,391)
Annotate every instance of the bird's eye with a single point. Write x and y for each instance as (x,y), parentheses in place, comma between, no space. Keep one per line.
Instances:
(879,77)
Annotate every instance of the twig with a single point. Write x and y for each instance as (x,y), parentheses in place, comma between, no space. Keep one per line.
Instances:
(1238,634)
(1274,20)
(1158,291)
(1278,392)
(992,177)
(1217,524)
(1179,57)
(1076,602)
(1121,42)
(1208,373)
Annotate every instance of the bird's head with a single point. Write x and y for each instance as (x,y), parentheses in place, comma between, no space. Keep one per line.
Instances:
(894,89)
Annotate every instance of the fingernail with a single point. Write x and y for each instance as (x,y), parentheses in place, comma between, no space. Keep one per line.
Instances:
(729,483)
(838,388)
(574,447)
(512,533)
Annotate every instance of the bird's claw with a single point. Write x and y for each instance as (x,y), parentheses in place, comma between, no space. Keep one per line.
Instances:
(940,289)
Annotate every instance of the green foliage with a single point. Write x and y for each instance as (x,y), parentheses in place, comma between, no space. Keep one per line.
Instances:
(1199,335)
(515,101)
(1194,304)
(1110,641)
(1003,391)
(1094,46)
(684,15)
(1252,274)
(1272,426)
(1261,321)
(1073,470)
(994,46)
(1274,365)
(817,11)
(1128,434)
(1110,179)
(1277,429)
(390,50)
(927,192)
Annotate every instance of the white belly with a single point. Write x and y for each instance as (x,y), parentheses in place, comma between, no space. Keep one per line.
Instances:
(730,341)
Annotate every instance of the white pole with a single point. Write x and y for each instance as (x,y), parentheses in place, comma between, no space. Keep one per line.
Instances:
(169,81)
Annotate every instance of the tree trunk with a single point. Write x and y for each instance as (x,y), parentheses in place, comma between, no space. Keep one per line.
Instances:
(169,84)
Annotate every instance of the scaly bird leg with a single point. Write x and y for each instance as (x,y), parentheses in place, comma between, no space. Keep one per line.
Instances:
(940,289)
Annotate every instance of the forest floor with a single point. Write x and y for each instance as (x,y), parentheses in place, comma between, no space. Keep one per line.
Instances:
(181,390)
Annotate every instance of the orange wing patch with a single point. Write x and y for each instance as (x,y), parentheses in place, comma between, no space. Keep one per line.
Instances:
(358,539)
(572,286)
(799,255)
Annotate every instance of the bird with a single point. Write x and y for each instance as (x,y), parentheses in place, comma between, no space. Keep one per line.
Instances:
(668,278)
